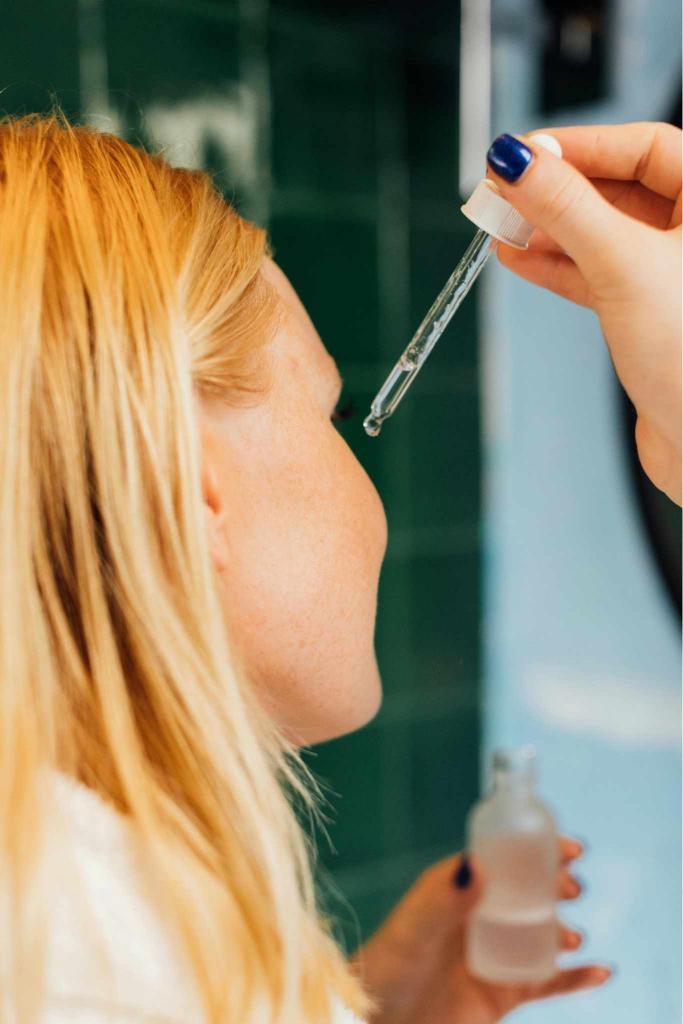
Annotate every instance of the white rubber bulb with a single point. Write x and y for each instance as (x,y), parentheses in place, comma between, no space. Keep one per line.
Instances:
(548,142)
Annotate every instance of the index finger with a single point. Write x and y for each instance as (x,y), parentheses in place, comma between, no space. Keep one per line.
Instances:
(649,152)
(569,849)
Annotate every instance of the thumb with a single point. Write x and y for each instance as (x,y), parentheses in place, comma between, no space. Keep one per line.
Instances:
(554,196)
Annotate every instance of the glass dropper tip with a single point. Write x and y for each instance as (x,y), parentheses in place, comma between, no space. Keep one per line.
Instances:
(372,424)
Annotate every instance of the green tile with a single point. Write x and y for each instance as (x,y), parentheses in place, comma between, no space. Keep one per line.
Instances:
(175,76)
(397,823)
(358,918)
(394,633)
(445,446)
(323,112)
(338,908)
(39,57)
(225,8)
(431,112)
(332,264)
(351,766)
(445,771)
(431,29)
(157,52)
(372,909)
(318,9)
(446,622)
(406,18)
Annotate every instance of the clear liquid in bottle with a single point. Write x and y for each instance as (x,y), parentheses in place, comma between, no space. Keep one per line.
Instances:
(512,935)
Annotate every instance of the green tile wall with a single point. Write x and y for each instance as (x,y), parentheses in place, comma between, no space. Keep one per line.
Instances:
(336,125)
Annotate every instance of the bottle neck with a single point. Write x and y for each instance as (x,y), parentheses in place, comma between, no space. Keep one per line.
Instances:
(514,772)
(515,784)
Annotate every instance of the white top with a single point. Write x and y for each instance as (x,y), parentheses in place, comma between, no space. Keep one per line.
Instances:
(496,216)
(110,958)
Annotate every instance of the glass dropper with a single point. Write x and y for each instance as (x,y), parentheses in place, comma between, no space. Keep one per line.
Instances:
(430,330)
(497,221)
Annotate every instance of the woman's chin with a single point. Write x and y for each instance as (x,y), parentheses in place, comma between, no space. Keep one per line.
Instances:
(365,705)
(360,706)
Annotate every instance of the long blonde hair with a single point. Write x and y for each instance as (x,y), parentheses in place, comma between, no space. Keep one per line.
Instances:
(127,289)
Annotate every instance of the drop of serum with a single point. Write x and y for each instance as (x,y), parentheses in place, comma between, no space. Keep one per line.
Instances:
(372,426)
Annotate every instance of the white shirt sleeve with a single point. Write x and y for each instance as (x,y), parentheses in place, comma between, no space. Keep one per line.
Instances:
(92,1013)
(111,958)
(78,1012)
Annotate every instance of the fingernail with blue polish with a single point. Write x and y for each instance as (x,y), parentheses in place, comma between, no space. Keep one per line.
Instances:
(509,157)
(463,876)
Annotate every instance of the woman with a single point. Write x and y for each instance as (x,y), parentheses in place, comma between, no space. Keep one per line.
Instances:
(189,558)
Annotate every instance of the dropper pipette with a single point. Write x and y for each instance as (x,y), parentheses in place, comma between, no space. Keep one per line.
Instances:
(497,221)
(430,330)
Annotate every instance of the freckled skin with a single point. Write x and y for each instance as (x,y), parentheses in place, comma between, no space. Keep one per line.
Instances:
(297,534)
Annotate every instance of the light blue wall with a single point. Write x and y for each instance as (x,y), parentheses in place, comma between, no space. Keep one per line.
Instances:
(582,649)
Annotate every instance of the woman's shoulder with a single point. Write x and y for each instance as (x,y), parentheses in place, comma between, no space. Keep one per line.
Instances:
(108,945)
(107,941)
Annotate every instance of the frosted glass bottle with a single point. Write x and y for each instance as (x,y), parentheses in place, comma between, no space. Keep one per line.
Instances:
(512,935)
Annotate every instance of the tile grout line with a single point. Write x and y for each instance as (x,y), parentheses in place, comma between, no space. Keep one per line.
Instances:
(255,72)
(93,68)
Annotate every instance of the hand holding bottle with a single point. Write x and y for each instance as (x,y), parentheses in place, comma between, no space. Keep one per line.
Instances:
(415,962)
(609,237)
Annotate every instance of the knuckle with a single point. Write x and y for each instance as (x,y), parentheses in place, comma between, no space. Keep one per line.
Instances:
(661,136)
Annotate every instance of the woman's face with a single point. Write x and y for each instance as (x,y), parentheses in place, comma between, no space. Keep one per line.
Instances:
(297,533)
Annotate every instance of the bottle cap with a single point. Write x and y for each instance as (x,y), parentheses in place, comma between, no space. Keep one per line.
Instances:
(515,761)
(496,216)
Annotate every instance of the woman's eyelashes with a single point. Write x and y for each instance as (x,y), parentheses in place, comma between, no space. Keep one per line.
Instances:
(344,411)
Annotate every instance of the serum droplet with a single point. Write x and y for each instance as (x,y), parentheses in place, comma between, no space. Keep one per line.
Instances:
(372,426)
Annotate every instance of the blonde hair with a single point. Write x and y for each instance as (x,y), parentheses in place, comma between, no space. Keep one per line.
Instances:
(128,288)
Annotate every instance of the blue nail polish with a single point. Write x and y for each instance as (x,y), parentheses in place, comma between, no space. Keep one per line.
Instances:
(463,876)
(508,157)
